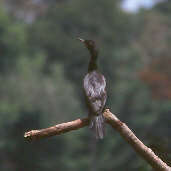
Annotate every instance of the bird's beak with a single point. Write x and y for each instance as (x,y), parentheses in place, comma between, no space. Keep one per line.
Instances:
(82,40)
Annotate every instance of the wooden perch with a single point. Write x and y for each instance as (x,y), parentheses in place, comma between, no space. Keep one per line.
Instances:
(156,163)
(57,129)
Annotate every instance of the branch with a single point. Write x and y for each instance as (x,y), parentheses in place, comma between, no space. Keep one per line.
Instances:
(145,152)
(57,129)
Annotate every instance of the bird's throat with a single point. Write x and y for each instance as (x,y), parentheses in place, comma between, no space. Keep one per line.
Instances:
(93,60)
(92,65)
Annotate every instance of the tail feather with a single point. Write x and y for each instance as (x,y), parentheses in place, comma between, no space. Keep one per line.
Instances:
(97,125)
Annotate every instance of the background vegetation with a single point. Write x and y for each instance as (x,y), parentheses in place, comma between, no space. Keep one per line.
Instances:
(41,70)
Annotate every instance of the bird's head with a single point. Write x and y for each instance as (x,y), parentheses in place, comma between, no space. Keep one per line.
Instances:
(91,46)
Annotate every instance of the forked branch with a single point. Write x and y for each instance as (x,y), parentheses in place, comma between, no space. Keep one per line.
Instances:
(145,152)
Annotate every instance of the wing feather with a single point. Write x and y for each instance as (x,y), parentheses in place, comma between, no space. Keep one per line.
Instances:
(95,91)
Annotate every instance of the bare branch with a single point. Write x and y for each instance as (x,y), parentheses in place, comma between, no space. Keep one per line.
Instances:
(57,129)
(145,152)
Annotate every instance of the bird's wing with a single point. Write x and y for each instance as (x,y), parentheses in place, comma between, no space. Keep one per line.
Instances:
(95,90)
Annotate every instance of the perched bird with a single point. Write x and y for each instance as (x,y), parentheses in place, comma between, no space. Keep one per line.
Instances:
(94,85)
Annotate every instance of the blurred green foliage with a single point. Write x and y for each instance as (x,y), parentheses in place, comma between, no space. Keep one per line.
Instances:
(41,70)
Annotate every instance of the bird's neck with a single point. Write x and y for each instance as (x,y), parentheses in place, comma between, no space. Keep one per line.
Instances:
(93,61)
(92,65)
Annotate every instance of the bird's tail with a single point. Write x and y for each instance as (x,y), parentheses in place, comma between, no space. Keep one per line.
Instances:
(97,125)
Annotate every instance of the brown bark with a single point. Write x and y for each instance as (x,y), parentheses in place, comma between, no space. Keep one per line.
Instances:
(57,129)
(145,152)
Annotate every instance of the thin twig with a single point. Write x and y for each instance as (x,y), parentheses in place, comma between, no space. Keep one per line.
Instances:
(145,152)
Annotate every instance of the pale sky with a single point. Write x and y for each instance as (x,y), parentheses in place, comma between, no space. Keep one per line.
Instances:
(134,5)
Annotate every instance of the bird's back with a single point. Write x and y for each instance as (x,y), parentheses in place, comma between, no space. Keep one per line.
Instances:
(95,91)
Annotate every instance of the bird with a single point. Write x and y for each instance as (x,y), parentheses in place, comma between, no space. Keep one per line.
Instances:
(94,86)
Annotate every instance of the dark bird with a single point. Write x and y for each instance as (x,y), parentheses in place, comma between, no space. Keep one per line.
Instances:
(94,85)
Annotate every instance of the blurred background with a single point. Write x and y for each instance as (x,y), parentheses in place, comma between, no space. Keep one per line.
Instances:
(41,70)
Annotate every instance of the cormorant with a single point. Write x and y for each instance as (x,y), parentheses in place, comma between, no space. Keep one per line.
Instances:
(94,85)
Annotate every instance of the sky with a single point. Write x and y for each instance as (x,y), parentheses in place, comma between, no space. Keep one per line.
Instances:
(134,5)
